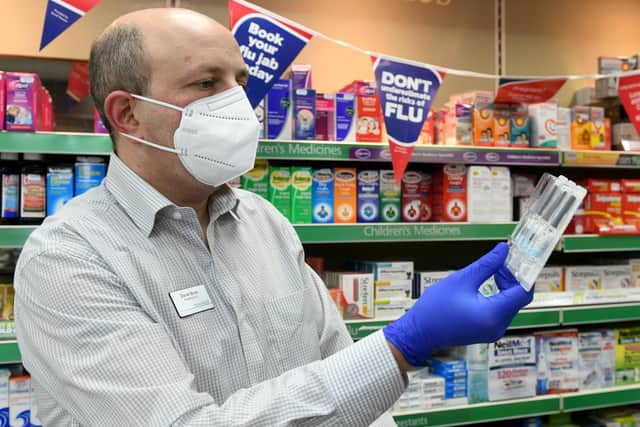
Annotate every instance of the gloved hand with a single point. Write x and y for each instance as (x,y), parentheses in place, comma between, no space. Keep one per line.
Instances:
(452,312)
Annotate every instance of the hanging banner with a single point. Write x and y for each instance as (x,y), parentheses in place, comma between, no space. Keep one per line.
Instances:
(268,45)
(406,90)
(629,92)
(78,83)
(60,15)
(519,91)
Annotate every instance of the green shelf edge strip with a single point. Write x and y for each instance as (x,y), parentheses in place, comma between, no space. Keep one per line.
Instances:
(537,318)
(14,236)
(55,143)
(401,232)
(595,314)
(592,243)
(481,413)
(9,352)
(600,399)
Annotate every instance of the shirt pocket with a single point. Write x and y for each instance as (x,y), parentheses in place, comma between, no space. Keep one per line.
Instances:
(292,333)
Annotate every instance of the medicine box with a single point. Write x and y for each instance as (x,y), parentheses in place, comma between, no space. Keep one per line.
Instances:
(368,196)
(325,117)
(416,197)
(550,280)
(322,196)
(280,189)
(427,134)
(257,179)
(89,173)
(502,125)
(386,289)
(390,197)
(19,400)
(543,124)
(512,368)
(301,76)
(345,195)
(483,124)
(464,124)
(557,361)
(368,111)
(631,209)
(3,96)
(59,188)
(301,183)
(387,270)
(590,360)
(630,185)
(627,355)
(261,116)
(634,265)
(564,128)
(594,185)
(582,278)
(424,279)
(22,101)
(616,276)
(358,292)
(481,208)
(304,114)
(602,209)
(391,308)
(581,128)
(608,357)
(520,129)
(598,131)
(280,111)
(4,393)
(345,127)
(454,193)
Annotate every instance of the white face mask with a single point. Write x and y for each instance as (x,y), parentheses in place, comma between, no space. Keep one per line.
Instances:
(217,138)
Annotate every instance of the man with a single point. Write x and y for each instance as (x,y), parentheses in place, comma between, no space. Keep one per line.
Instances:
(164,297)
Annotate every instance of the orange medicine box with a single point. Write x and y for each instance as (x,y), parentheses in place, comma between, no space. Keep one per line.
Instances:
(594,185)
(345,193)
(581,128)
(631,209)
(630,185)
(501,126)
(454,193)
(602,209)
(483,124)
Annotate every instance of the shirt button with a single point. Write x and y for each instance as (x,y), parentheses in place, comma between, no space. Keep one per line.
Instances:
(177,216)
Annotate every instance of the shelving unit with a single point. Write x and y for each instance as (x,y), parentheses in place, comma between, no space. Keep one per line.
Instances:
(9,352)
(55,143)
(595,243)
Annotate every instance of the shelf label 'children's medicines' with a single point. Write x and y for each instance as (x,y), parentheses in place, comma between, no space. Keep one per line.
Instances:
(368,196)
(345,195)
(280,189)
(301,198)
(390,197)
(322,196)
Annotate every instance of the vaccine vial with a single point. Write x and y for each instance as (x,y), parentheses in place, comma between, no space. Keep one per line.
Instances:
(552,206)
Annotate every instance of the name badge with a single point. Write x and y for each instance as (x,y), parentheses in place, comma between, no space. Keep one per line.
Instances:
(191,300)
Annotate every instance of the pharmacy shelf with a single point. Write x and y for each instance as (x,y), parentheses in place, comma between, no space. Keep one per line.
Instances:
(595,243)
(534,318)
(534,406)
(401,232)
(14,236)
(55,143)
(363,152)
(482,412)
(9,352)
(601,159)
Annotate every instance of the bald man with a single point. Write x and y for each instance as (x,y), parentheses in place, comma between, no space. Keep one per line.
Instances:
(164,297)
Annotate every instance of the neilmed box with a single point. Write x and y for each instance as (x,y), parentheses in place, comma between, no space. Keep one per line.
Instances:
(345,195)
(325,117)
(257,179)
(322,196)
(280,189)
(345,127)
(390,197)
(304,114)
(368,196)
(301,182)
(512,368)
(279,111)
(21,111)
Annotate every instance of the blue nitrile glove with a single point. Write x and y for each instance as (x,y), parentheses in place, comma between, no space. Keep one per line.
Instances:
(452,312)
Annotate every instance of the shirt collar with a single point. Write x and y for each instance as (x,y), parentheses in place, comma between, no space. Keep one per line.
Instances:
(142,202)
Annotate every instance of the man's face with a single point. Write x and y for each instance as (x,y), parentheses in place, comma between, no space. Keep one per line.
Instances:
(191,59)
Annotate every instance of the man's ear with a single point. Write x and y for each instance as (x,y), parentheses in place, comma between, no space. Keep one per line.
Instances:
(118,107)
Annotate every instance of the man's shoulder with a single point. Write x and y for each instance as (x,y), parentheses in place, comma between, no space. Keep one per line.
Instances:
(256,205)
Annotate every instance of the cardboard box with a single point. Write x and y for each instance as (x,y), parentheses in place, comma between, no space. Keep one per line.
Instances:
(345,195)
(564,128)
(22,101)
(391,308)
(387,270)
(369,122)
(322,191)
(424,279)
(261,115)
(557,361)
(582,278)
(325,117)
(616,276)
(502,126)
(301,206)
(19,400)
(345,126)
(634,264)
(368,196)
(631,209)
(392,289)
(479,195)
(3,96)
(427,134)
(304,114)
(602,209)
(627,355)
(601,185)
(630,185)
(608,357)
(590,360)
(390,197)
(544,125)
(520,129)
(280,189)
(598,131)
(358,291)
(512,368)
(483,125)
(464,124)
(624,132)
(500,196)
(581,128)
(280,111)
(454,193)
(550,280)
(416,197)
(257,179)
(301,76)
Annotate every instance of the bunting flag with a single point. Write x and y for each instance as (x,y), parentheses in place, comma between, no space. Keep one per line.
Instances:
(629,92)
(268,44)
(78,82)
(60,15)
(406,90)
(525,91)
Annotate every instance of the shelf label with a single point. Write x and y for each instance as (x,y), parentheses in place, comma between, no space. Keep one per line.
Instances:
(601,158)
(293,150)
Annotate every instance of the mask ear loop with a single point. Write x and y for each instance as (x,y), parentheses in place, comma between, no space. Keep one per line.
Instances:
(154,145)
(155,101)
